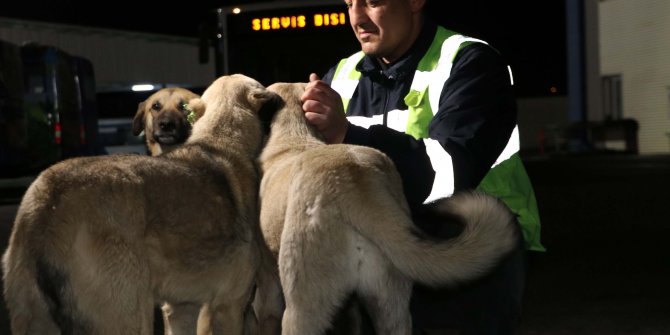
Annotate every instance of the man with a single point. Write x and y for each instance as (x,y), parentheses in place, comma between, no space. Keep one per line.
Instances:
(442,107)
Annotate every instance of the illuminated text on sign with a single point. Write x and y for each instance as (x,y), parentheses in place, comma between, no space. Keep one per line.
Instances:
(297,21)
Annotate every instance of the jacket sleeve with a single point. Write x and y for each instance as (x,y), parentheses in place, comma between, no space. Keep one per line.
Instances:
(408,154)
(477,113)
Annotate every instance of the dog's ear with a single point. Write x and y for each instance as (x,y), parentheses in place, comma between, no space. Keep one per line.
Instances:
(138,120)
(258,96)
(272,102)
(198,107)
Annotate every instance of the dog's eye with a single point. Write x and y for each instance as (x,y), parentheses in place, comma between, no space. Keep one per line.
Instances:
(156,106)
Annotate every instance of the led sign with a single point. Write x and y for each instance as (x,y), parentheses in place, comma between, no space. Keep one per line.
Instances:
(298,21)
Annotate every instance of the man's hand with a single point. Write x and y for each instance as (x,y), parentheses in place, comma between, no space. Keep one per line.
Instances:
(324,110)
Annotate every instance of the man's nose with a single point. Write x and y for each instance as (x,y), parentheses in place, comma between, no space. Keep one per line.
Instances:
(357,12)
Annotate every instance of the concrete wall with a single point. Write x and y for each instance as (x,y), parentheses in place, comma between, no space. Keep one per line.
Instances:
(634,37)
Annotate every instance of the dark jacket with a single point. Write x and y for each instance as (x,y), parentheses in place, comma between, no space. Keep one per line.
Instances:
(476,116)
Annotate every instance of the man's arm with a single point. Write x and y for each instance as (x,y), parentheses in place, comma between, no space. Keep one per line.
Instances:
(477,113)
(408,154)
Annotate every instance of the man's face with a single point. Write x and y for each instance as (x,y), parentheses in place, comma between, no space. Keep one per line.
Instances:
(383,27)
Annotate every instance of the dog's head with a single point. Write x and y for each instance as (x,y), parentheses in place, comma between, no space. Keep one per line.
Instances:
(166,119)
(237,89)
(290,118)
(289,94)
(234,100)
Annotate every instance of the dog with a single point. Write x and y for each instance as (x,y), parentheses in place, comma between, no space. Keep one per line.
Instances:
(166,119)
(98,241)
(337,221)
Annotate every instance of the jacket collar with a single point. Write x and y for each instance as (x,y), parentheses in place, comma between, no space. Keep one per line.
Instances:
(405,65)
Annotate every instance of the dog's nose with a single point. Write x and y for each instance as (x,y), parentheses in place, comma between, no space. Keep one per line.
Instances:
(166,125)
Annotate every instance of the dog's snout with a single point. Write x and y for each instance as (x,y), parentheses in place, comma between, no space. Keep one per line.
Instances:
(166,125)
(171,127)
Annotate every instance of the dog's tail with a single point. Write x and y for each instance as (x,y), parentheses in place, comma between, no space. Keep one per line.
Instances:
(487,233)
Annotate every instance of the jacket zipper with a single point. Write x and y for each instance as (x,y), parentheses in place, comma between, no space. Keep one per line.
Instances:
(386,98)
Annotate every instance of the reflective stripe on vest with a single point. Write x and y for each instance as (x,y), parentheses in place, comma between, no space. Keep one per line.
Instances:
(429,78)
(431,74)
(346,77)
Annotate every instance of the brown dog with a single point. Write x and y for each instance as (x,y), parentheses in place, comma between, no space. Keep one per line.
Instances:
(98,241)
(337,220)
(166,119)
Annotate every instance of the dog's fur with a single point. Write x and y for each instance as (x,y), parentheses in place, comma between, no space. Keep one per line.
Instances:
(164,119)
(337,220)
(97,241)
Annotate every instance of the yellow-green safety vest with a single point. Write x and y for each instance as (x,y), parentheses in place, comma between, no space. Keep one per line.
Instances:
(507,179)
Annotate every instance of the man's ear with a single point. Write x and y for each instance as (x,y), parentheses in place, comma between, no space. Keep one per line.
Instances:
(138,120)
(417,5)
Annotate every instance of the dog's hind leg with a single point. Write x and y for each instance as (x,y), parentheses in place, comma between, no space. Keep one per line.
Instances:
(385,294)
(26,304)
(315,260)
(180,318)
(125,310)
(230,312)
(229,317)
(312,301)
(111,282)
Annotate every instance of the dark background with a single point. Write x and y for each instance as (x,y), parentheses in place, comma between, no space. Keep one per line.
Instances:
(530,34)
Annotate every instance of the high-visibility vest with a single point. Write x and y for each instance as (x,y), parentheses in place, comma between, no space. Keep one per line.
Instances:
(507,178)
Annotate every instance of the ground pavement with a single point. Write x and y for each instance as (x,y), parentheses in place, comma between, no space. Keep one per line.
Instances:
(606,228)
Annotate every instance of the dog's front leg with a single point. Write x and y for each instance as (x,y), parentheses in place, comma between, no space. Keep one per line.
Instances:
(181,318)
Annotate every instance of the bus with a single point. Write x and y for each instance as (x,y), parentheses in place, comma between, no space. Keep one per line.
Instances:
(282,41)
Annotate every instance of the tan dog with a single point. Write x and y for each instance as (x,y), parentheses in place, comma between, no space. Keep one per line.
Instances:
(166,119)
(98,241)
(337,219)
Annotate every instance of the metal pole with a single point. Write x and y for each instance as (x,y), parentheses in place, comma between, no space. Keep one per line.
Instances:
(221,54)
(578,140)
